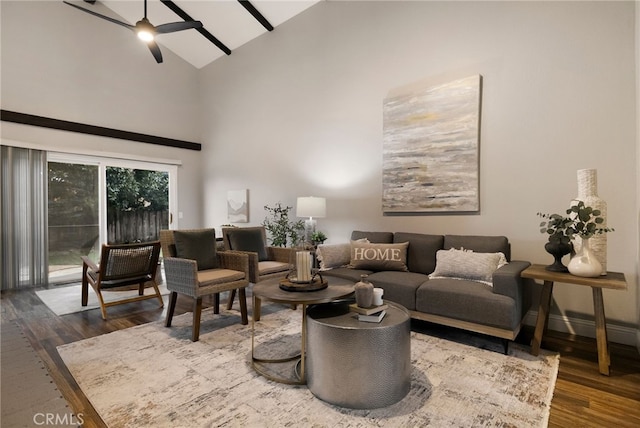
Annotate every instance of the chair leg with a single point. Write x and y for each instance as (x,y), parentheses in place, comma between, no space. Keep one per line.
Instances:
(103,308)
(172,307)
(197,310)
(256,308)
(158,295)
(141,289)
(216,303)
(232,295)
(85,288)
(242,297)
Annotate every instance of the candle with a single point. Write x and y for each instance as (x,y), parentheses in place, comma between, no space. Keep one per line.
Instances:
(303,265)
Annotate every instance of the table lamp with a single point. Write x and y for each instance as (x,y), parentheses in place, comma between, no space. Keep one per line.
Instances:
(310,206)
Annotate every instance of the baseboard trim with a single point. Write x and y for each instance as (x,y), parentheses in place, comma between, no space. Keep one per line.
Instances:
(616,333)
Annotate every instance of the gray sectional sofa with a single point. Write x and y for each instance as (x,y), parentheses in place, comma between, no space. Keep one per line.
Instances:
(495,307)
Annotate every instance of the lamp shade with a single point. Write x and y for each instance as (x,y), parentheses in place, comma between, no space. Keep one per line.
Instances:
(310,206)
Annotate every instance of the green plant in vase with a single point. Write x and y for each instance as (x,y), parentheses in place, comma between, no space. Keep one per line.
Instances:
(558,229)
(318,238)
(282,231)
(580,220)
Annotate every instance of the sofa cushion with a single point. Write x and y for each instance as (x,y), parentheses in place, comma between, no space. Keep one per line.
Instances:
(375,237)
(399,287)
(197,245)
(421,254)
(479,244)
(248,239)
(466,264)
(379,257)
(346,273)
(467,301)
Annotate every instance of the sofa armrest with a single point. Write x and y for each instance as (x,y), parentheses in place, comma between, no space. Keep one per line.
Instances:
(281,254)
(507,280)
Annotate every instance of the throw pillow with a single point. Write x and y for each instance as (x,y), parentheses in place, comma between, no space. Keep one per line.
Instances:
(466,264)
(379,256)
(333,255)
(247,239)
(198,245)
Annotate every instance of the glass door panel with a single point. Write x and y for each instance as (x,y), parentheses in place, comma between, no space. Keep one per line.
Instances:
(73,218)
(137,204)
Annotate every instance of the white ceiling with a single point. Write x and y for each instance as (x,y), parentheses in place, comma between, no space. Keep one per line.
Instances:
(227,20)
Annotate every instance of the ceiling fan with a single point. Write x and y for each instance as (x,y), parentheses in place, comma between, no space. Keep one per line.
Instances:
(145,30)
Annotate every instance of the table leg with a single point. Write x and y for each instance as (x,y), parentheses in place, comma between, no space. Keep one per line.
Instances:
(303,345)
(604,359)
(543,316)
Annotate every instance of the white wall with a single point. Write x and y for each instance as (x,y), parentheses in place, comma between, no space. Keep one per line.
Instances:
(299,112)
(79,68)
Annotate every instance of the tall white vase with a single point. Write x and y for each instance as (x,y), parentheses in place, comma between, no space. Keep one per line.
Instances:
(588,193)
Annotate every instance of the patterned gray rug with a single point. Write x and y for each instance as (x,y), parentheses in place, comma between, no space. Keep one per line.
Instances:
(152,376)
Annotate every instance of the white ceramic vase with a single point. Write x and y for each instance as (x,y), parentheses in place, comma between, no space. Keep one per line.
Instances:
(588,193)
(585,263)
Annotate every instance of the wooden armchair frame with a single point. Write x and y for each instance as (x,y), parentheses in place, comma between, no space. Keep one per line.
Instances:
(122,265)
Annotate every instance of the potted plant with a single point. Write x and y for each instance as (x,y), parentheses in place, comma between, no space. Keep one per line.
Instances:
(580,220)
(282,230)
(318,238)
(559,244)
(587,222)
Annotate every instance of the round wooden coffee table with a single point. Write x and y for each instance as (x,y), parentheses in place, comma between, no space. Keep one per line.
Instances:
(270,290)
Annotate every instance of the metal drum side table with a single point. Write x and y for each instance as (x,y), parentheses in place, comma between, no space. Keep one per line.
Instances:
(355,364)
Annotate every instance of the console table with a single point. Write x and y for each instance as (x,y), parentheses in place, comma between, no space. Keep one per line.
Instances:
(612,280)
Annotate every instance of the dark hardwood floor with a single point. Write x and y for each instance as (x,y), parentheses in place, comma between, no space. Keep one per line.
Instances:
(582,397)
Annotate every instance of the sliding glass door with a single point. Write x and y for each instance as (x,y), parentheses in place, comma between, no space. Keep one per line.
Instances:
(102,200)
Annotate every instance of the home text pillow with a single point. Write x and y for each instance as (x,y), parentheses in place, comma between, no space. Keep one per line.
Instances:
(197,245)
(379,256)
(465,264)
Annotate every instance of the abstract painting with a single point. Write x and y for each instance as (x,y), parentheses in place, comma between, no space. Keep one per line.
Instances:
(237,206)
(430,155)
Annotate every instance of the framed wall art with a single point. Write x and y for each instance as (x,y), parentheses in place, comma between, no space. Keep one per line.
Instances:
(431,142)
(238,206)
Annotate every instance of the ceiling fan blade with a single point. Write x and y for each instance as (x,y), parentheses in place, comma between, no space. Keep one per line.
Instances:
(172,27)
(155,51)
(115,21)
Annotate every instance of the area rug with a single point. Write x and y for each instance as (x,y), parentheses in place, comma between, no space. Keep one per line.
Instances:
(64,300)
(153,376)
(28,392)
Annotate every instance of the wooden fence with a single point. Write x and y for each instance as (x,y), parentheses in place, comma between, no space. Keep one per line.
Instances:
(136,226)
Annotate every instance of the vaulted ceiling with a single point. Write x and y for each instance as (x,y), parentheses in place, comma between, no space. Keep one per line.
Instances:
(227,24)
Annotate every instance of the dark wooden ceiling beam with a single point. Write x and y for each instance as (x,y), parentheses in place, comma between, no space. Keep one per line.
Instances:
(65,125)
(184,15)
(256,14)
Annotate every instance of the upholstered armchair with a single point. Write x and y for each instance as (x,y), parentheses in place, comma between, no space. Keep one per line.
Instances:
(193,267)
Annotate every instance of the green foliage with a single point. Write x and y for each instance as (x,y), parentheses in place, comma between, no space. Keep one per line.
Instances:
(281,229)
(581,220)
(318,236)
(72,194)
(136,189)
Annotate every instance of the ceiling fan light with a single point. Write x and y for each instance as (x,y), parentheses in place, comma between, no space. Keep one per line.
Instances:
(145,36)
